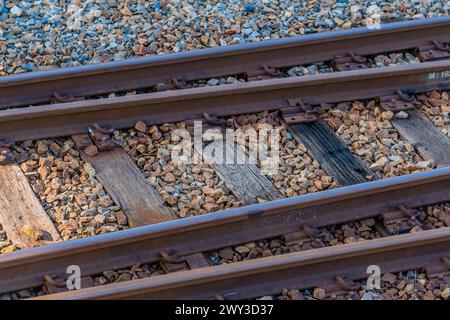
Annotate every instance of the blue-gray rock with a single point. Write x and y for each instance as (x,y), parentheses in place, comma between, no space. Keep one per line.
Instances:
(26,66)
(249,7)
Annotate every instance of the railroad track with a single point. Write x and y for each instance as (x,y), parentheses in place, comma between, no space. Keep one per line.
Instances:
(346,48)
(303,106)
(184,240)
(337,266)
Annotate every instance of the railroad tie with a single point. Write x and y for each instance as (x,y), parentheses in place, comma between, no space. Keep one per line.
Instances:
(126,185)
(430,142)
(331,152)
(22,216)
(242,176)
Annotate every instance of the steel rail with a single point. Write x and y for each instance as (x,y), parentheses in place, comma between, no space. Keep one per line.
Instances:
(27,268)
(267,276)
(38,87)
(122,112)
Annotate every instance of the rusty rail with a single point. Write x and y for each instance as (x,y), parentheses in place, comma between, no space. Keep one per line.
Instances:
(302,270)
(27,268)
(122,112)
(38,87)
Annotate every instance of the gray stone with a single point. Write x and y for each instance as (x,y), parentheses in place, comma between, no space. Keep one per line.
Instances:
(371,296)
(89,212)
(401,115)
(213,82)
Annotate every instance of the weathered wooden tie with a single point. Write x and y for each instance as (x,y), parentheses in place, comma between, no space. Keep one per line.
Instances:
(242,176)
(22,216)
(427,139)
(127,186)
(331,152)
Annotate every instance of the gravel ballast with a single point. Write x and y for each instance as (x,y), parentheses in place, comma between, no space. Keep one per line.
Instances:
(45,34)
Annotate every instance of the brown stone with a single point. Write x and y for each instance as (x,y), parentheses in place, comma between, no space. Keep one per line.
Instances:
(26,167)
(318,184)
(389,278)
(32,233)
(319,293)
(140,126)
(41,148)
(91,151)
(226,253)
(100,218)
(121,218)
(124,277)
(105,201)
(387,115)
(43,172)
(171,38)
(8,249)
(242,249)
(210,207)
(204,40)
(445,108)
(126,11)
(295,295)
(368,222)
(74,164)
(445,294)
(169,177)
